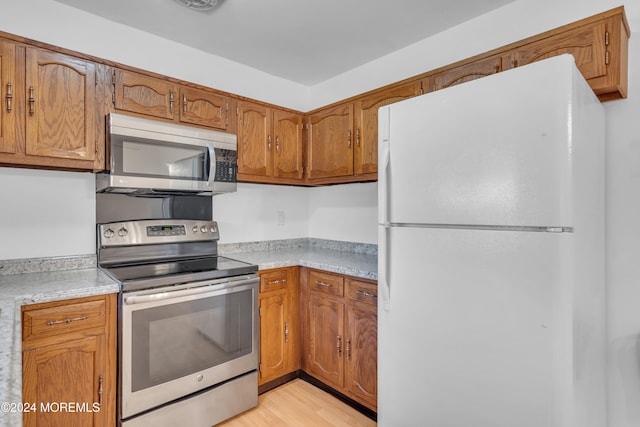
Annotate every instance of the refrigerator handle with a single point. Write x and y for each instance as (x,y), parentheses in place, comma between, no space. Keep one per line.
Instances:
(383,268)
(384,157)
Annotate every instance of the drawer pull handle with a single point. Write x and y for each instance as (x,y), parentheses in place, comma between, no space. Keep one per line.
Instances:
(275,282)
(100,391)
(67,320)
(326,285)
(366,294)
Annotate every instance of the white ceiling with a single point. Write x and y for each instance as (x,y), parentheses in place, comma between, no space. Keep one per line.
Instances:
(304,41)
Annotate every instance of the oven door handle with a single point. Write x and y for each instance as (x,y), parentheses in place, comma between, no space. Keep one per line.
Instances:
(232,284)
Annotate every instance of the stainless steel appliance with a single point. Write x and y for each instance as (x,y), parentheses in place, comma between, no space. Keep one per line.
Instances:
(150,157)
(188,323)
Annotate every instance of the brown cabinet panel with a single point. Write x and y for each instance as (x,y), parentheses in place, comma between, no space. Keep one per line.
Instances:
(71,363)
(464,73)
(287,130)
(69,372)
(361,379)
(330,142)
(366,139)
(326,340)
(146,95)
(341,333)
(8,87)
(274,336)
(200,107)
(254,140)
(61,106)
(279,323)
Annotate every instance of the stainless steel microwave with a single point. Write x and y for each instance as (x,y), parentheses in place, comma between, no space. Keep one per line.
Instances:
(150,157)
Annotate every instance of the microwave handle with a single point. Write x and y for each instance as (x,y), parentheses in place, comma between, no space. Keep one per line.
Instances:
(212,165)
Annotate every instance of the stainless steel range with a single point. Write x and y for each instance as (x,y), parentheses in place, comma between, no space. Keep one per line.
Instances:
(188,323)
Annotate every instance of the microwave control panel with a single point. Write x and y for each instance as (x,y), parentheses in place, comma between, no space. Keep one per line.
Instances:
(226,165)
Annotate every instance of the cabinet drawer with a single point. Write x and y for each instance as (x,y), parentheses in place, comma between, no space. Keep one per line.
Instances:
(274,280)
(364,292)
(61,319)
(332,284)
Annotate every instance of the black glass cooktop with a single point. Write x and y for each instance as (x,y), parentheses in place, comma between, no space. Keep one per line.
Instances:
(156,274)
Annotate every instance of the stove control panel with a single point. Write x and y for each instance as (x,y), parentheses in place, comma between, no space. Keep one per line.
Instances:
(144,232)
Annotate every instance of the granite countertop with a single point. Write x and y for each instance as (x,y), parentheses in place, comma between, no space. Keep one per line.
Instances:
(32,281)
(353,259)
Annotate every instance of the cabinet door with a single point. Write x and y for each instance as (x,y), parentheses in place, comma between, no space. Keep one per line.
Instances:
(326,340)
(361,351)
(274,337)
(61,107)
(366,145)
(7,91)
(141,94)
(73,371)
(287,131)
(464,73)
(254,140)
(203,108)
(330,143)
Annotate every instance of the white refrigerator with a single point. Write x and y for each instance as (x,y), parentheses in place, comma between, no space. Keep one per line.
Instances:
(491,253)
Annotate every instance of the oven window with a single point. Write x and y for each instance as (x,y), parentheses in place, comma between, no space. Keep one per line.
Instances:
(141,157)
(174,340)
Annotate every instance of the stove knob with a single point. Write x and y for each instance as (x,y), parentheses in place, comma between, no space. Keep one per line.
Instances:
(108,233)
(123,232)
(203,228)
(195,229)
(212,229)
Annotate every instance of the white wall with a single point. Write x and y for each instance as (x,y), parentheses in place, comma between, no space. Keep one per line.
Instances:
(46,213)
(28,204)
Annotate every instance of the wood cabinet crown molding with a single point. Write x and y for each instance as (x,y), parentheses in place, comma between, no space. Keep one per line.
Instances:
(333,144)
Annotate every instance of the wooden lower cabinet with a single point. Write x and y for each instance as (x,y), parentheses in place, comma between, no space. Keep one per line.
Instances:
(341,334)
(279,323)
(69,362)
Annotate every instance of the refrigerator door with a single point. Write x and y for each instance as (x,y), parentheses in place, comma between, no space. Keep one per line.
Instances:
(480,332)
(494,151)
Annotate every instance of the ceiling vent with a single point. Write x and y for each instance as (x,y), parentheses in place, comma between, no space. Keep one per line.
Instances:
(201,5)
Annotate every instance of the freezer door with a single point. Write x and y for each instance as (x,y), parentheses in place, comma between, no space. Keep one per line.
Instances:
(481,332)
(499,150)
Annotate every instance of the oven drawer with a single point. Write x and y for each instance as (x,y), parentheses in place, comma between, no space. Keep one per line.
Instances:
(327,283)
(62,318)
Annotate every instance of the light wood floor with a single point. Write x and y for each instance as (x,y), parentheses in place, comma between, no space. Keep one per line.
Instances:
(299,404)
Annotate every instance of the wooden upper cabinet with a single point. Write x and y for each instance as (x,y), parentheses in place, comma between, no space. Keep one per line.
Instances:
(464,73)
(366,111)
(287,131)
(269,144)
(600,50)
(60,107)
(137,93)
(201,107)
(254,140)
(330,142)
(9,99)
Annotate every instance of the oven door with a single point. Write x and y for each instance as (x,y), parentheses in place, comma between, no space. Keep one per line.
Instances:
(179,340)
